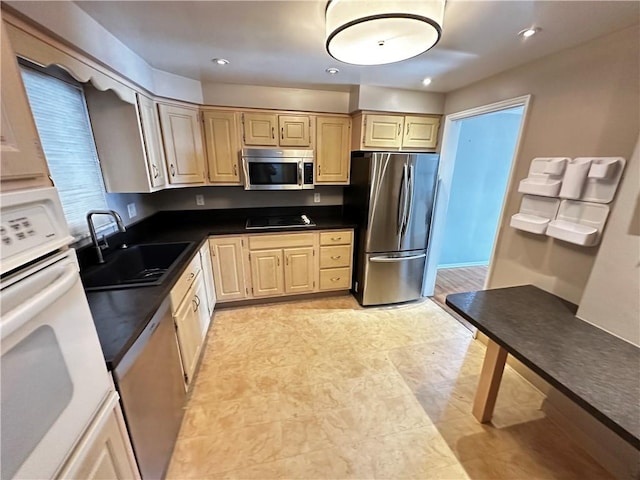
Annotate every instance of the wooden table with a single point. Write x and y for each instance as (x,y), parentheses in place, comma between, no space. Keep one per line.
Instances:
(597,370)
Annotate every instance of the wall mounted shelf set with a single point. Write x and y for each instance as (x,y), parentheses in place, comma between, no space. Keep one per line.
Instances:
(567,198)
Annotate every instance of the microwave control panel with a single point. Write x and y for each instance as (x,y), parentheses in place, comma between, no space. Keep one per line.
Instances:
(308,173)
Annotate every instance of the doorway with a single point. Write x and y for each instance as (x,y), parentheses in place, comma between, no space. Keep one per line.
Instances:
(479,147)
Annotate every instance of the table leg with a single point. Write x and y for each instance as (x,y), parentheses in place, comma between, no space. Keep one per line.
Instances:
(489,383)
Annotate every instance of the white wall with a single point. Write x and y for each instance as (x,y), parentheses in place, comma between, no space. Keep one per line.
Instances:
(611,300)
(237,197)
(396,100)
(144,202)
(75,27)
(585,102)
(254,96)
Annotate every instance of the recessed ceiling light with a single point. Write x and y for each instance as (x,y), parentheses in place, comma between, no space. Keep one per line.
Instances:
(220,61)
(529,32)
(426,81)
(332,71)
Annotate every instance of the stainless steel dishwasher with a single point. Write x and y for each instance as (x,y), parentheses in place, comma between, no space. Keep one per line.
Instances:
(151,384)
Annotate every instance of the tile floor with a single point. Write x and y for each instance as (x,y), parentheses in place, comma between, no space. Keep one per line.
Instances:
(325,389)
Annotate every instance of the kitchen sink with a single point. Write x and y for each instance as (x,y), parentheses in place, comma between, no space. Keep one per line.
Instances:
(137,266)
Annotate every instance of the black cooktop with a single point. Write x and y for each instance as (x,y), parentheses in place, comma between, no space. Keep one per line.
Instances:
(280,222)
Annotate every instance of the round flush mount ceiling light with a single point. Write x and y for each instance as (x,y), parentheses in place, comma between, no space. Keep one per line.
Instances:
(529,32)
(332,71)
(380,32)
(426,82)
(220,61)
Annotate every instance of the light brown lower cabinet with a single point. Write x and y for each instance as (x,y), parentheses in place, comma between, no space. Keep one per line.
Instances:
(271,265)
(105,450)
(188,322)
(229,277)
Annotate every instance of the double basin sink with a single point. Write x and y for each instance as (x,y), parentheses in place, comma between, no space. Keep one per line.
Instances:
(135,266)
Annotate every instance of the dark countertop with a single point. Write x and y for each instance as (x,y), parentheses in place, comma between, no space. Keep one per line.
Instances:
(595,369)
(121,315)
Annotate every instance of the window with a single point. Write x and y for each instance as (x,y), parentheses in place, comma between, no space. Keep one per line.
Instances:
(62,120)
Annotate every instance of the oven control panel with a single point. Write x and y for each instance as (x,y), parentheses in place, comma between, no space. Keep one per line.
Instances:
(22,229)
(32,225)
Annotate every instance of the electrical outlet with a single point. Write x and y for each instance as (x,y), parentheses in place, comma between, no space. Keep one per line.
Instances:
(200,200)
(316,198)
(131,209)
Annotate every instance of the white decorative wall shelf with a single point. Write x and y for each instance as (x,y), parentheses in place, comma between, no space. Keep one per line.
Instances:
(545,176)
(602,179)
(535,214)
(579,222)
(575,177)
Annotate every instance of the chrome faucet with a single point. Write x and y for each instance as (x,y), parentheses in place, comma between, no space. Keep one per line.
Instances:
(92,230)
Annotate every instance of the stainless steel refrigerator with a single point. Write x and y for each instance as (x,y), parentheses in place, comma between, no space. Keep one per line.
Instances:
(391,197)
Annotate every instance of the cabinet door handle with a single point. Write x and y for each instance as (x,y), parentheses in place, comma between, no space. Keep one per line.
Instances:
(278,260)
(335,279)
(399,127)
(173,170)
(336,257)
(287,258)
(273,132)
(408,128)
(282,133)
(235,170)
(195,305)
(336,239)
(191,275)
(197,300)
(155,171)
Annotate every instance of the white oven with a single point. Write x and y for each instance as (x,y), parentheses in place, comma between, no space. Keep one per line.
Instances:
(52,372)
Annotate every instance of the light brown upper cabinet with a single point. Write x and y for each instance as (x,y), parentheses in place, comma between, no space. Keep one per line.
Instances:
(395,132)
(260,129)
(152,140)
(273,130)
(383,131)
(420,132)
(128,141)
(295,130)
(223,147)
(182,143)
(22,161)
(333,155)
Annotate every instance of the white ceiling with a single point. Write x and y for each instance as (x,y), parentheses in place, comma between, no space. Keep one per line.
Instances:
(281,43)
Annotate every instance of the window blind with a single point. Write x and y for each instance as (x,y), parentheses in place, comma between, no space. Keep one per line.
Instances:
(62,120)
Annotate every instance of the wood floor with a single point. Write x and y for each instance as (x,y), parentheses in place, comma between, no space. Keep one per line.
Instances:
(326,389)
(458,280)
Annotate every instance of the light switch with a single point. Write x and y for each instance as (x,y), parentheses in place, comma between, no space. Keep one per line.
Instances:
(316,198)
(200,200)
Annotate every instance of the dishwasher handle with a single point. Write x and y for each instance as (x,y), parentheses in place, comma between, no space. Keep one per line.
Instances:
(396,259)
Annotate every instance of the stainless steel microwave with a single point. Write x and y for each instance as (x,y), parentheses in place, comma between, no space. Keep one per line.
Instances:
(277,169)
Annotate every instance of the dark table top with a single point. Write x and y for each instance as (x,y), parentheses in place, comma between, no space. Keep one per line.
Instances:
(595,369)
(121,315)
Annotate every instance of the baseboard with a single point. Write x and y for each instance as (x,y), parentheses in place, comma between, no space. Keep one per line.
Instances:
(462,265)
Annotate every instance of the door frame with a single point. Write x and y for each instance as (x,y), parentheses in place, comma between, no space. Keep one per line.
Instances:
(448,153)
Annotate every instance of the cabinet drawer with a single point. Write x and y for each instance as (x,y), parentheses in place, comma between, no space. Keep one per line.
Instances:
(259,242)
(184,282)
(338,237)
(335,256)
(335,279)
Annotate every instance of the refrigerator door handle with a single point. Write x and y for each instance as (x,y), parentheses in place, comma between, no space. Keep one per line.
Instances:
(409,203)
(396,259)
(402,201)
